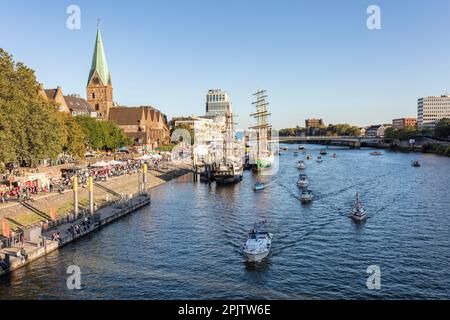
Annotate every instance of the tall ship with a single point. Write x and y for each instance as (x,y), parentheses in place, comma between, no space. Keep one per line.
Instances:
(230,168)
(264,158)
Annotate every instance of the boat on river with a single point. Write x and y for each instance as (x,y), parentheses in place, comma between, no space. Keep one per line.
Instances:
(376,153)
(323,152)
(301,147)
(259,186)
(415,163)
(258,243)
(309,157)
(302,181)
(319,159)
(307,196)
(301,165)
(358,211)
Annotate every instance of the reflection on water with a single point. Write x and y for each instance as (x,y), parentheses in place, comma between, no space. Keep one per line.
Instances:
(188,243)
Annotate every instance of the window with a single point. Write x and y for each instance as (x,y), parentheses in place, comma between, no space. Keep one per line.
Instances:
(93,95)
(97,107)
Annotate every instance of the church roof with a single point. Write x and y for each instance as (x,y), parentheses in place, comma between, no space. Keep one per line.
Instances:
(126,115)
(99,63)
(75,103)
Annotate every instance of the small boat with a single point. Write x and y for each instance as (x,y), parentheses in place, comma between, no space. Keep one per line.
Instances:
(302,181)
(358,211)
(319,159)
(376,153)
(307,196)
(284,148)
(334,155)
(415,163)
(301,165)
(259,186)
(309,157)
(258,243)
(323,152)
(301,147)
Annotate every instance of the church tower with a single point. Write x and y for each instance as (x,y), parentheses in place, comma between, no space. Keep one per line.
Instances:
(99,89)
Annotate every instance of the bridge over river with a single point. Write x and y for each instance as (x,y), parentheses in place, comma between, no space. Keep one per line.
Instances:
(352,142)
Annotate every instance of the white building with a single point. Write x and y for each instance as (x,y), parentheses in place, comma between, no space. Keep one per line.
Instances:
(432,109)
(218,103)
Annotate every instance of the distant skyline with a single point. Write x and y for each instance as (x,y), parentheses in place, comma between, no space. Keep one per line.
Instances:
(316,59)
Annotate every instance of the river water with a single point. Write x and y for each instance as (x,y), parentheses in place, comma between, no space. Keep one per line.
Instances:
(188,243)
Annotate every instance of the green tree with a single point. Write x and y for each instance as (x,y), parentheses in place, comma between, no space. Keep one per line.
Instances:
(74,142)
(29,124)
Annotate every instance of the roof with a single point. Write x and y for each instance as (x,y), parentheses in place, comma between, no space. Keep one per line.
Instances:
(77,104)
(99,63)
(125,115)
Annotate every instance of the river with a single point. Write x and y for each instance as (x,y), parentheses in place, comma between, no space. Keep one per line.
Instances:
(188,243)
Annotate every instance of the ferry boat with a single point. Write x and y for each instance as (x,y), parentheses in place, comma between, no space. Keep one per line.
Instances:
(232,172)
(307,196)
(319,159)
(301,165)
(302,181)
(376,153)
(323,152)
(358,211)
(258,244)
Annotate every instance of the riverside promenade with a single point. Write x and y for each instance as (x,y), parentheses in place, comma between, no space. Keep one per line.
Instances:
(20,254)
(72,226)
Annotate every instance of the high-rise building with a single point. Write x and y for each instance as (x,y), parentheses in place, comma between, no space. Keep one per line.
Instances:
(404,122)
(99,89)
(432,109)
(218,103)
(313,123)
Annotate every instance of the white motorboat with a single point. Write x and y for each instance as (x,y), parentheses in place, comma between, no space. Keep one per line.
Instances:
(358,211)
(301,147)
(307,196)
(302,181)
(301,165)
(319,159)
(258,244)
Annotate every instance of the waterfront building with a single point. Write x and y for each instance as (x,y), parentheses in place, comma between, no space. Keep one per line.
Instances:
(206,130)
(313,125)
(404,122)
(376,131)
(145,125)
(218,103)
(73,104)
(432,109)
(99,90)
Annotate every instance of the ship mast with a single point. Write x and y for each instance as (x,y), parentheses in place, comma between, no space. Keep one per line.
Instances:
(262,128)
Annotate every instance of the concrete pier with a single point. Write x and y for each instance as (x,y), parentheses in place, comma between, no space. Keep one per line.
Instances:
(20,255)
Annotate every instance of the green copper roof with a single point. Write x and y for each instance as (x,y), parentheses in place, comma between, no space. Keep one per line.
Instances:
(99,63)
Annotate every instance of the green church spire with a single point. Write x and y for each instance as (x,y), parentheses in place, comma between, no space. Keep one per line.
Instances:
(99,63)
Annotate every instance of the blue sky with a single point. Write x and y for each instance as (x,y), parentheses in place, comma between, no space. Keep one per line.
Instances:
(315,58)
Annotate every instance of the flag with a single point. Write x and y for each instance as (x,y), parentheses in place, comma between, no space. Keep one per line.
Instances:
(5,227)
(53,213)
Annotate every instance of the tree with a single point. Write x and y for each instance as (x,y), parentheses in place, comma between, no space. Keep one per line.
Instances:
(73,136)
(442,129)
(29,125)
(102,134)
